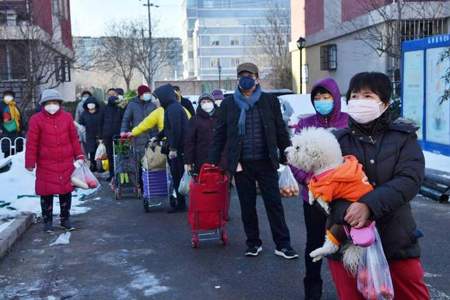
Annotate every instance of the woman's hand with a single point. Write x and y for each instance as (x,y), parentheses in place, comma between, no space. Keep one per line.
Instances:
(357,215)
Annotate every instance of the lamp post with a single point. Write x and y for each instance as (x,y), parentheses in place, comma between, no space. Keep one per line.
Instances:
(219,67)
(149,5)
(301,42)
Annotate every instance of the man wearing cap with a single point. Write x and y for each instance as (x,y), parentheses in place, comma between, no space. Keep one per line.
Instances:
(251,127)
(138,108)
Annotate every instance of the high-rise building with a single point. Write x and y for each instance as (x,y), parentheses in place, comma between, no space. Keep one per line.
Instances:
(220,34)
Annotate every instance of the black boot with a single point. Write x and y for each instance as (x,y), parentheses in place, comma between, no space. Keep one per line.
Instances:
(313,288)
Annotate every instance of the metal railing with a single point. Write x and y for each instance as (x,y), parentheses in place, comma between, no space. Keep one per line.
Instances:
(12,145)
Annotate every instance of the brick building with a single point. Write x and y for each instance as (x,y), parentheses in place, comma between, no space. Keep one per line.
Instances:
(35,48)
(344,37)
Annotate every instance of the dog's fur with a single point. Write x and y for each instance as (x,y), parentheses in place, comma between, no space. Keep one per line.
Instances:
(316,150)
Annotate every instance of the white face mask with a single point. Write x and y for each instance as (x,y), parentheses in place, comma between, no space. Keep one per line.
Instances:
(207,106)
(364,111)
(91,105)
(218,102)
(120,97)
(84,98)
(8,98)
(52,108)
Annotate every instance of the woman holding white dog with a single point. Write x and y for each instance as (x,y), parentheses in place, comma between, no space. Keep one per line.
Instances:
(326,99)
(394,164)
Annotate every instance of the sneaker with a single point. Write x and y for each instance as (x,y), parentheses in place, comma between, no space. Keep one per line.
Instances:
(287,253)
(67,226)
(48,227)
(253,251)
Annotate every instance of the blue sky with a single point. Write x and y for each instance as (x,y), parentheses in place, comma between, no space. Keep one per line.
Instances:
(89,17)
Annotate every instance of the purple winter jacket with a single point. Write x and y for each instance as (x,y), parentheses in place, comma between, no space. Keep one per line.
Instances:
(336,119)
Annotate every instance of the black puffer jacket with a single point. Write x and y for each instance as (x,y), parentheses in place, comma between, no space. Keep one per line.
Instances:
(175,117)
(395,165)
(112,118)
(226,132)
(93,124)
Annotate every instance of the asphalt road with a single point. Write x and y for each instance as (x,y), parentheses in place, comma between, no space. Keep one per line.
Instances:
(119,252)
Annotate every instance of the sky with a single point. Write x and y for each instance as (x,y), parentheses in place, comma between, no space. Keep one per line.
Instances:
(90,16)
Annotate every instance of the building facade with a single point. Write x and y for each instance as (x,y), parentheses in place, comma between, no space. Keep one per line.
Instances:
(36,48)
(220,34)
(344,37)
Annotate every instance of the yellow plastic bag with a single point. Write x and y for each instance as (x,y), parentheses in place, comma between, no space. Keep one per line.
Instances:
(105,164)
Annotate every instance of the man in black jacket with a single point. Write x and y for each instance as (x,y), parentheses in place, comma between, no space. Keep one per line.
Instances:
(175,125)
(185,102)
(252,128)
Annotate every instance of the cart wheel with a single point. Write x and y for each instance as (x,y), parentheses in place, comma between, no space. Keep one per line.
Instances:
(146,206)
(224,237)
(117,193)
(173,201)
(195,241)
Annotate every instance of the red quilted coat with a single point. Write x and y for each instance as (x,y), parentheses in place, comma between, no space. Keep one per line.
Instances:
(52,146)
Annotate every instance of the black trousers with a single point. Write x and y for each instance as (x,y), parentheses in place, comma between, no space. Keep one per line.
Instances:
(267,178)
(93,162)
(109,151)
(65,202)
(315,221)
(177,170)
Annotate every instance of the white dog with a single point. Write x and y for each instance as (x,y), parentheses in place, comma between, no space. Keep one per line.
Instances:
(316,151)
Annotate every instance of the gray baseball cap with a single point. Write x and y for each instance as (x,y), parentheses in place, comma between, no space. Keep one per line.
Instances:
(50,94)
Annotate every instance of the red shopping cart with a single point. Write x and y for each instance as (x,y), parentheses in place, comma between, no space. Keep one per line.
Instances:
(208,206)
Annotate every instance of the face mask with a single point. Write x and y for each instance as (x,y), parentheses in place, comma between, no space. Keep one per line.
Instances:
(246,83)
(218,102)
(323,107)
(52,108)
(207,106)
(84,98)
(120,97)
(91,106)
(8,99)
(364,111)
(147,97)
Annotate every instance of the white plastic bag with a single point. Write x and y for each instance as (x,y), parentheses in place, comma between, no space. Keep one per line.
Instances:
(153,159)
(83,178)
(100,154)
(183,189)
(374,278)
(287,183)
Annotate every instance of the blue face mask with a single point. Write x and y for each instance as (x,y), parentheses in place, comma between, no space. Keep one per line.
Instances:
(246,83)
(147,97)
(324,107)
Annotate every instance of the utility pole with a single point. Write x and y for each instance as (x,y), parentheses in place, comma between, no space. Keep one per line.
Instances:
(220,72)
(149,13)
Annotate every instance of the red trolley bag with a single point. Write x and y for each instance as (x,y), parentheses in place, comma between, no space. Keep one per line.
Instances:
(208,205)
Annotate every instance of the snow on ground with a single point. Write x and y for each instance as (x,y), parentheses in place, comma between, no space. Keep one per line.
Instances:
(17,194)
(63,239)
(437,161)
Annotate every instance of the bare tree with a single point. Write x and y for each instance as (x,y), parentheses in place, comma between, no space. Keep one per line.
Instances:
(445,56)
(273,38)
(115,51)
(385,25)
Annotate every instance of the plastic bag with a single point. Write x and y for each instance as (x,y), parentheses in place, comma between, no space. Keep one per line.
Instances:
(183,189)
(100,154)
(83,178)
(374,278)
(153,159)
(287,183)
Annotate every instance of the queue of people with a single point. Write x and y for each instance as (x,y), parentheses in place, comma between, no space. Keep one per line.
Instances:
(245,134)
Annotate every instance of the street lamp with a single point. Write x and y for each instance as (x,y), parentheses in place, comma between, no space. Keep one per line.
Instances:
(149,5)
(219,67)
(301,42)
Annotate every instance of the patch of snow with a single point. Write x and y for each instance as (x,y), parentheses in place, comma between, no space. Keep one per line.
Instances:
(17,193)
(217,287)
(4,225)
(431,275)
(437,161)
(63,239)
(146,281)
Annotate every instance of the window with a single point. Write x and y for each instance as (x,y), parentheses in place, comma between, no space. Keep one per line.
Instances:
(215,43)
(62,69)
(234,42)
(214,62)
(13,58)
(328,58)
(234,62)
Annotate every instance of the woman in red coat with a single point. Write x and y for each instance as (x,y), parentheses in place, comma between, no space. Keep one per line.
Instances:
(52,146)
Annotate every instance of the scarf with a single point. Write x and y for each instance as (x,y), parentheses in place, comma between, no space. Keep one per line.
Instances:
(11,108)
(245,104)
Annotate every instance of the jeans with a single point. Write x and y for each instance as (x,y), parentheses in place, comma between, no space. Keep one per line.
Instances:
(261,171)
(65,202)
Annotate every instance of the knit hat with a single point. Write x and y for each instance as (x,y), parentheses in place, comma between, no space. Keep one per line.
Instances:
(143,89)
(217,95)
(50,94)
(119,91)
(205,96)
(86,93)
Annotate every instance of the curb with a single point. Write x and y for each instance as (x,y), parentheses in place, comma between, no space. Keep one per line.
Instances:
(13,232)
